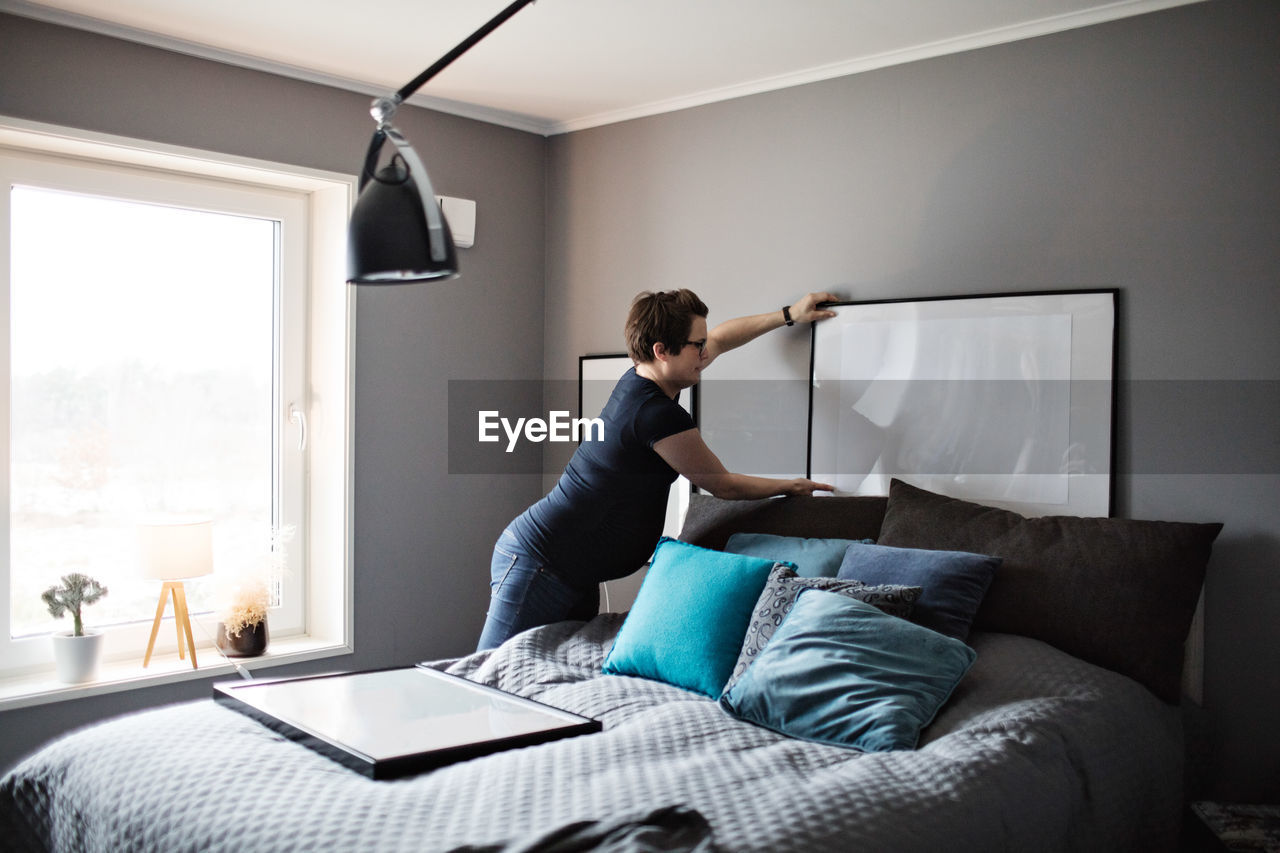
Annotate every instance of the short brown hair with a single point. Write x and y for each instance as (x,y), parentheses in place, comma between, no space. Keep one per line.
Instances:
(664,318)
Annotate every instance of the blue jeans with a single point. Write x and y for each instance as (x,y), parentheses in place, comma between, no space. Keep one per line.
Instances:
(524,595)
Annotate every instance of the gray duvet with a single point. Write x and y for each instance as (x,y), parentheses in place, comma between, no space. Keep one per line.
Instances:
(1035,751)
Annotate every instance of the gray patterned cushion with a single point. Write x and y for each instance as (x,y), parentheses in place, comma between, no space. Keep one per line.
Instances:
(780,593)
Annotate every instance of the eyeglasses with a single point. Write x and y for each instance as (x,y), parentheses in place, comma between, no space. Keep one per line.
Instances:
(701,345)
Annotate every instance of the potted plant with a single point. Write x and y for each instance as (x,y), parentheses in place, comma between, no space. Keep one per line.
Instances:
(76,652)
(242,621)
(244,600)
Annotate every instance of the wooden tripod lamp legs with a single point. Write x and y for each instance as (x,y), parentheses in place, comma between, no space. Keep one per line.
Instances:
(181,618)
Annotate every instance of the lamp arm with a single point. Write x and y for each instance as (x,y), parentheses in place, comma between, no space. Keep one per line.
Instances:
(383,110)
(443,62)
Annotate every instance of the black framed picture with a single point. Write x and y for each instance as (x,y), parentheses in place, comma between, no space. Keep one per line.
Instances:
(1007,399)
(397,722)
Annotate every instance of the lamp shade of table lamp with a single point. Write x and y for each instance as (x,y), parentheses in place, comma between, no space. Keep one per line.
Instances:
(176,550)
(173,550)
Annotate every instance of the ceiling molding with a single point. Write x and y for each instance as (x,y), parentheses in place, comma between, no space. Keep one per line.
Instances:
(974,41)
(531,124)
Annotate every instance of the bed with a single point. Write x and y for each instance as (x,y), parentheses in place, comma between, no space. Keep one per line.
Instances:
(1062,732)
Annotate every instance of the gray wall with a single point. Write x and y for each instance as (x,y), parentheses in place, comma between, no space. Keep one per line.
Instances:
(1140,154)
(422,537)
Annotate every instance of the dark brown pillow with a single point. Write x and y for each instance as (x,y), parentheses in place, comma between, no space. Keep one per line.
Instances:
(1115,592)
(710,521)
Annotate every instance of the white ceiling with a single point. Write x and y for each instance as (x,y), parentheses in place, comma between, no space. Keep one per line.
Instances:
(562,65)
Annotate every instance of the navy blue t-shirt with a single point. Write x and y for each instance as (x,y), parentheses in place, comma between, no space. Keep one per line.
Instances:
(605,515)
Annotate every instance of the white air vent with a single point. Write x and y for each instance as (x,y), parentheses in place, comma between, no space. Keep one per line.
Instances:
(461,214)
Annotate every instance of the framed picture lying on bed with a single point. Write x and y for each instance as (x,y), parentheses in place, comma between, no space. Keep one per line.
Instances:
(1005,398)
(390,723)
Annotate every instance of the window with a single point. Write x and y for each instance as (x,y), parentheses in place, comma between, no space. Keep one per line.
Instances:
(173,321)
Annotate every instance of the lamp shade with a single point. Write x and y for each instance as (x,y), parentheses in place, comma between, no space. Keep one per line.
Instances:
(175,549)
(397,233)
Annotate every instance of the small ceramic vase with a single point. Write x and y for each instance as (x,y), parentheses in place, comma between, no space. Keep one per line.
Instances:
(249,643)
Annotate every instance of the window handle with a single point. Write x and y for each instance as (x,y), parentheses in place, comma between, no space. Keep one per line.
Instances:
(297,416)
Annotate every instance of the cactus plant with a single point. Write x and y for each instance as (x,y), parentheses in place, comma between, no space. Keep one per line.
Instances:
(76,591)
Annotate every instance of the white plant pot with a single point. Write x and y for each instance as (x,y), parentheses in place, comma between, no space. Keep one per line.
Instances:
(77,657)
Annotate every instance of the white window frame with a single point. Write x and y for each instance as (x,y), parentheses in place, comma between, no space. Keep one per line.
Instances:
(318,311)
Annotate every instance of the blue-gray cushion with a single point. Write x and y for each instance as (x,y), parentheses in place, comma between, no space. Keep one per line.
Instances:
(687,623)
(838,671)
(815,557)
(954,582)
(780,593)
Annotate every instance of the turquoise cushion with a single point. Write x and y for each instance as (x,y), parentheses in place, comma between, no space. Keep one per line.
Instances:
(689,617)
(814,558)
(839,671)
(954,582)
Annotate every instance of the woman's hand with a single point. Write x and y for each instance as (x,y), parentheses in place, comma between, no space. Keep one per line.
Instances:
(807,311)
(801,486)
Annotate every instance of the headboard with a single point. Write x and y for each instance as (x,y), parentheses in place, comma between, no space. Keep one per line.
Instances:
(710,521)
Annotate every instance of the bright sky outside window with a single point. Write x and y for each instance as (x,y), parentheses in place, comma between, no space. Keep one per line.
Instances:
(143,368)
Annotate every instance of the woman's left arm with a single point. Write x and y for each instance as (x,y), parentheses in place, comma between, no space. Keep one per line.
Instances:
(732,334)
(689,455)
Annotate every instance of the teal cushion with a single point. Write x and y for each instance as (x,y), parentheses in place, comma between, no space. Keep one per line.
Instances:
(954,582)
(689,617)
(814,558)
(841,672)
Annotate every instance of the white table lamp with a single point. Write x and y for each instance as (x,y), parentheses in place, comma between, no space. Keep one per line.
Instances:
(171,551)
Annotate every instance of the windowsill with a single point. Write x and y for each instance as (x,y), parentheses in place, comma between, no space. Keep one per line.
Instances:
(21,691)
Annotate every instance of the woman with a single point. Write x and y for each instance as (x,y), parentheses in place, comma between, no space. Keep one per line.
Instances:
(605,515)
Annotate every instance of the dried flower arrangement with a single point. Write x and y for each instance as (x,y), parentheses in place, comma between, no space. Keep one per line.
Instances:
(247,598)
(246,606)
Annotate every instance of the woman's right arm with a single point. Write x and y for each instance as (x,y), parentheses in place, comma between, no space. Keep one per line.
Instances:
(689,455)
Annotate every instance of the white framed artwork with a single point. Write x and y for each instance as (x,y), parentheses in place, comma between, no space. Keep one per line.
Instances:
(1003,399)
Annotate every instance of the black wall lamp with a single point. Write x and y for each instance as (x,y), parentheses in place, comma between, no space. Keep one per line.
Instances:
(397,234)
